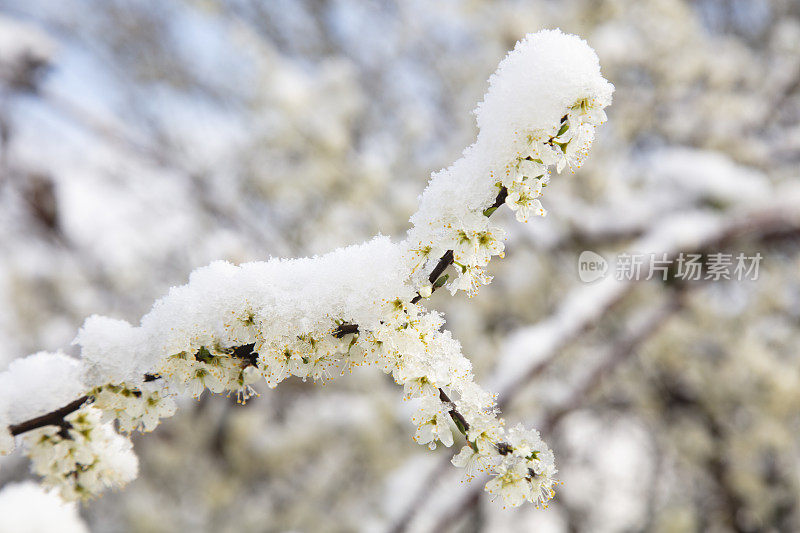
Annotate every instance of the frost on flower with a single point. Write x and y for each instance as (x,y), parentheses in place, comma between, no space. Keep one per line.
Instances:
(317,318)
(434,423)
(471,461)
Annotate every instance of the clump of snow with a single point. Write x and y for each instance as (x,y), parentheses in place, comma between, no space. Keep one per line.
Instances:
(228,305)
(113,351)
(545,74)
(38,384)
(27,508)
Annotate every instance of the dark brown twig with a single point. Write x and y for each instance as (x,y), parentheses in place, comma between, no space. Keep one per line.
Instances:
(457,417)
(53,418)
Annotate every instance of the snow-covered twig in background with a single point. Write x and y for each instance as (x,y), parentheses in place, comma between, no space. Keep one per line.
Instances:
(317,318)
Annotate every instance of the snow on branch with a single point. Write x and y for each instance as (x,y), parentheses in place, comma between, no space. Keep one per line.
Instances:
(317,318)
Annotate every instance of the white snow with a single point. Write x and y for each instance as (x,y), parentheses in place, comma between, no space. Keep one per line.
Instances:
(27,508)
(286,298)
(38,384)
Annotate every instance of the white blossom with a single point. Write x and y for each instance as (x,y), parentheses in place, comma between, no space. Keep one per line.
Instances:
(511,483)
(522,199)
(135,408)
(433,421)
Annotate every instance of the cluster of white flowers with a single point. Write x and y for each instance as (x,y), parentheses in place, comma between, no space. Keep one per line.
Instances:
(83,456)
(524,466)
(317,318)
(138,407)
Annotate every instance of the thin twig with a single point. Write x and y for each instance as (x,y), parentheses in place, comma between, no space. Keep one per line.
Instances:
(457,417)
(53,418)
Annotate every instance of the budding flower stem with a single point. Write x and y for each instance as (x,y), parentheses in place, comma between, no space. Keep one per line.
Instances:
(447,259)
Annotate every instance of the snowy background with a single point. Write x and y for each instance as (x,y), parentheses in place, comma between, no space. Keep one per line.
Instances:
(141,140)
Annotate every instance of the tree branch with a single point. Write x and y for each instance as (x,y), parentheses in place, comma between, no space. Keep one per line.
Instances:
(246,353)
(53,418)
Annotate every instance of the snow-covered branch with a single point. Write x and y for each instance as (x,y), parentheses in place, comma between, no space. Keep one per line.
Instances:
(316,318)
(530,351)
